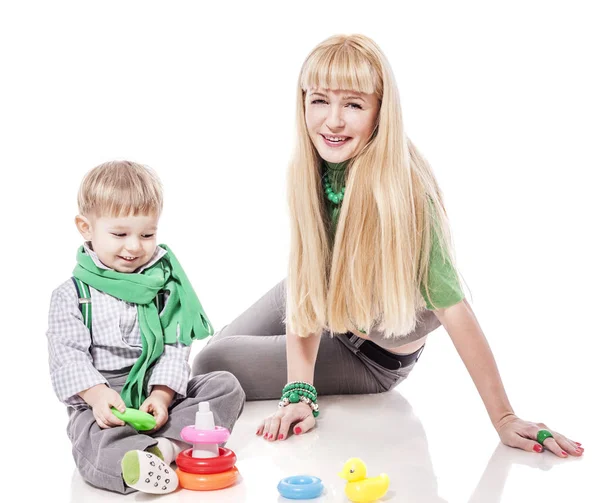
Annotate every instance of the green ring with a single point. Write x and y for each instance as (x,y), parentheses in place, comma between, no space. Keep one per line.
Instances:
(543,435)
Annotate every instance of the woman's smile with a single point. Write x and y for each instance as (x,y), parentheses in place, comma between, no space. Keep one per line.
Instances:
(336,141)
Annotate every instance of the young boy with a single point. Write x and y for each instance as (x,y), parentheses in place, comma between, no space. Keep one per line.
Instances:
(134,350)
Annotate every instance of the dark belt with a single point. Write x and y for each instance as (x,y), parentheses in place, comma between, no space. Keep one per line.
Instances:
(387,359)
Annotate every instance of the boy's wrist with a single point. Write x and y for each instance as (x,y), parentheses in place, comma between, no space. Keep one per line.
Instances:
(90,395)
(163,392)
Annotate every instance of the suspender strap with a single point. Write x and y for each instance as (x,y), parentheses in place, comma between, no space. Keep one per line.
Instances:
(85,302)
(159,300)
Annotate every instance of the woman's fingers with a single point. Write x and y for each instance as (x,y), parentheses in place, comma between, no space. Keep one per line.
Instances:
(516,440)
(562,446)
(299,416)
(273,432)
(286,422)
(264,430)
(553,447)
(557,444)
(307,424)
(277,426)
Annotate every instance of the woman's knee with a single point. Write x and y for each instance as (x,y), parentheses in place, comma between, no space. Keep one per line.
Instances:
(213,357)
(222,384)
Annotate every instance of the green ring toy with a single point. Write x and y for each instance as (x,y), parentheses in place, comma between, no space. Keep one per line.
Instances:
(140,420)
(543,435)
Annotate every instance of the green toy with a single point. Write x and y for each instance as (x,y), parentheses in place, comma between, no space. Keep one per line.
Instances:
(141,421)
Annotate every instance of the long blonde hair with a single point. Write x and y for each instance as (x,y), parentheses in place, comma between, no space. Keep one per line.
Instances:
(371,275)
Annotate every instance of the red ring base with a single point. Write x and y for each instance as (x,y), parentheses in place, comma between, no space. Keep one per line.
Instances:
(225,461)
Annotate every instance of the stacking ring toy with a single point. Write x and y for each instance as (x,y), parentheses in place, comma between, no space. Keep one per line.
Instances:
(193,436)
(207,482)
(300,487)
(140,420)
(223,462)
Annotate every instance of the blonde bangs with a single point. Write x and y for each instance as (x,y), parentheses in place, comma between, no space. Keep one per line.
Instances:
(340,65)
(123,201)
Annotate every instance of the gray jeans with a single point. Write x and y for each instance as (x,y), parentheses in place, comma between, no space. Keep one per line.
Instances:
(252,348)
(98,452)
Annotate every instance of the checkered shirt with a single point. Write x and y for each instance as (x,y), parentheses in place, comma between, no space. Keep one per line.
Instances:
(77,359)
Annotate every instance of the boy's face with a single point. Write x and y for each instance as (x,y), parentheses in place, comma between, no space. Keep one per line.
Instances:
(121,243)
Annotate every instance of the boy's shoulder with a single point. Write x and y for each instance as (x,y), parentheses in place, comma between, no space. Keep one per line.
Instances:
(65,291)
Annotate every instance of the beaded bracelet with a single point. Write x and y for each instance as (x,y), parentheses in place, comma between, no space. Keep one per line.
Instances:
(300,391)
(295,390)
(301,385)
(313,405)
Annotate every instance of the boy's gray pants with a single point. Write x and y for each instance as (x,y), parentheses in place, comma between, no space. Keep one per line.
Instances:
(252,347)
(98,452)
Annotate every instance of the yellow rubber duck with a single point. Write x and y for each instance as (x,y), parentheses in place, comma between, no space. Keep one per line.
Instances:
(359,488)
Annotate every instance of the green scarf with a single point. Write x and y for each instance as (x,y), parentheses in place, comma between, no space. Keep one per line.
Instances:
(182,309)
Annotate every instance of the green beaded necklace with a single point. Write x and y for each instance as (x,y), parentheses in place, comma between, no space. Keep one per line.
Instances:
(334,197)
(334,175)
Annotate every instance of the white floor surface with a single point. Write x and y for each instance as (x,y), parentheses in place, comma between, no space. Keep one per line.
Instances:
(431,436)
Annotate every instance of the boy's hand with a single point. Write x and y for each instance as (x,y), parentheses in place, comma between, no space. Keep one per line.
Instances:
(157,404)
(101,398)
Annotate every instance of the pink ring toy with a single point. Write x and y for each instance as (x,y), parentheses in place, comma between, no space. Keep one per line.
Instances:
(191,435)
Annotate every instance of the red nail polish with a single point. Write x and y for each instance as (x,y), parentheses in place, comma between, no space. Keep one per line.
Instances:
(266,435)
(564,453)
(537,448)
(258,432)
(578,444)
(297,430)
(270,436)
(280,437)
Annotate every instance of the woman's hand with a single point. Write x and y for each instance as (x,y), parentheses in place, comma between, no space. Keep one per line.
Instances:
(277,426)
(515,432)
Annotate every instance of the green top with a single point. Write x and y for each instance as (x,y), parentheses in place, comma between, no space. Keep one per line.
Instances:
(443,282)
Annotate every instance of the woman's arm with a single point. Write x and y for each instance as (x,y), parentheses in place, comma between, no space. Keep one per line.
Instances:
(472,346)
(301,353)
(468,339)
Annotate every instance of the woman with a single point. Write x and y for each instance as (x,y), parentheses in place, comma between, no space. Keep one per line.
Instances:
(371,271)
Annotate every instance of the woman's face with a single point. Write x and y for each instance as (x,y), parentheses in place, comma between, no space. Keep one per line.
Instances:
(341,122)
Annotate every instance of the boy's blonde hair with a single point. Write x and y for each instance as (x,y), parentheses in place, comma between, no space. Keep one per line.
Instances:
(392,210)
(120,188)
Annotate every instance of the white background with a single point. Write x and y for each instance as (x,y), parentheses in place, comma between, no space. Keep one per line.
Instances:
(502,98)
